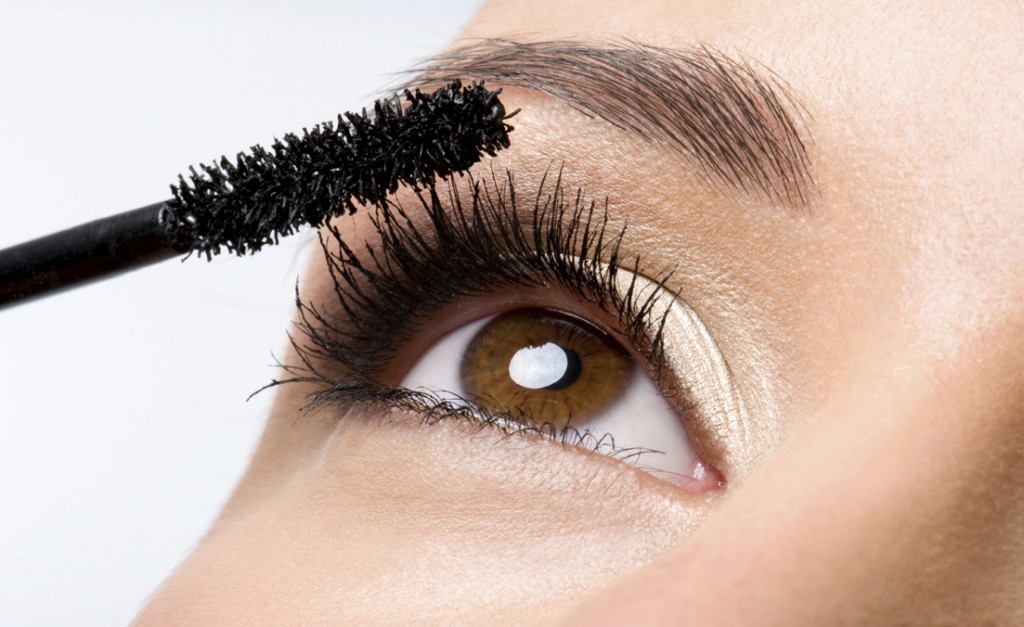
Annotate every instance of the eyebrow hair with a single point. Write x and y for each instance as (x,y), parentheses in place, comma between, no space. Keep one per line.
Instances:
(738,122)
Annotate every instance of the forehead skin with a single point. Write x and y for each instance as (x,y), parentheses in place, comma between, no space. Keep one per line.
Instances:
(877,335)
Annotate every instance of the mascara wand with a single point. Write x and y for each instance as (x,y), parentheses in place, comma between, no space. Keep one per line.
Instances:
(242,206)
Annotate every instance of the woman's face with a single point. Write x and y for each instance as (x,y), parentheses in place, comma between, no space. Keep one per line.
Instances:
(826,206)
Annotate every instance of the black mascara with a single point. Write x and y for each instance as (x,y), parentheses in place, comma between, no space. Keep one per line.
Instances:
(239,207)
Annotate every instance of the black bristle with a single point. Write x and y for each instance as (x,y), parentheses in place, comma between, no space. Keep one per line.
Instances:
(306,180)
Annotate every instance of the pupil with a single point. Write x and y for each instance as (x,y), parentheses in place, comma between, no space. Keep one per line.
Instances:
(548,367)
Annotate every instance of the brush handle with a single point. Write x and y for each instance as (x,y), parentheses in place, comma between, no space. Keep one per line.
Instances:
(83,254)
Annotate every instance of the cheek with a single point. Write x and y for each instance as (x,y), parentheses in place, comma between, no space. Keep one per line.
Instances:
(391,520)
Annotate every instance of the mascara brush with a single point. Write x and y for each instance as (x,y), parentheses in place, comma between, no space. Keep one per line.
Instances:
(239,207)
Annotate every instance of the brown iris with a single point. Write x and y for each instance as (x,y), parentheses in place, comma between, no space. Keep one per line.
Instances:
(540,366)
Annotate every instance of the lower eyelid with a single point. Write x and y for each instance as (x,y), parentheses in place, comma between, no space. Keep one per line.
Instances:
(401,408)
(533,461)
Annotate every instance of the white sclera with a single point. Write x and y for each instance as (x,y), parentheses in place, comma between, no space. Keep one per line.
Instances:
(537,367)
(640,417)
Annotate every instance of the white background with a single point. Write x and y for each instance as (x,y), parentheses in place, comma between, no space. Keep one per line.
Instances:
(123,413)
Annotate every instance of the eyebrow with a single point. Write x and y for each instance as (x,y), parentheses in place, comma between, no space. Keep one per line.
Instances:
(735,120)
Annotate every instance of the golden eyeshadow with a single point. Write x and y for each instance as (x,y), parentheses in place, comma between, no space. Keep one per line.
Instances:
(540,366)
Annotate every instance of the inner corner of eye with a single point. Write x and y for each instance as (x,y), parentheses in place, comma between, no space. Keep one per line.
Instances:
(549,369)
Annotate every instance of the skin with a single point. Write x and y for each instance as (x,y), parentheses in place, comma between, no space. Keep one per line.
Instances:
(875,335)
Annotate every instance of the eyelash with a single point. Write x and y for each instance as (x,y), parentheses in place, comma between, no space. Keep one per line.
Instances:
(469,249)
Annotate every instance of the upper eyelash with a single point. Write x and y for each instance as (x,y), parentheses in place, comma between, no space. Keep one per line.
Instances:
(385,294)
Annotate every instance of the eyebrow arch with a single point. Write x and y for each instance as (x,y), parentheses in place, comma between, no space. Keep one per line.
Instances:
(737,121)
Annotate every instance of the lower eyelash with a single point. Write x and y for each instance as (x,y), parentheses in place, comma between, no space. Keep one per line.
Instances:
(433,408)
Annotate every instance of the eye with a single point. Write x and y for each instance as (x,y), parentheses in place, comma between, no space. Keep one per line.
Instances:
(625,367)
(551,370)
